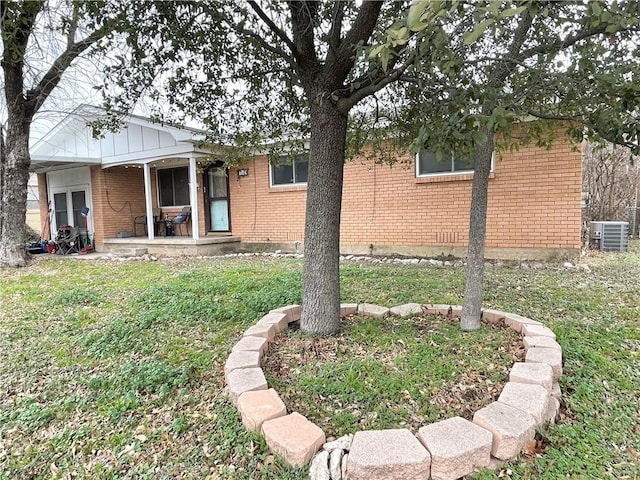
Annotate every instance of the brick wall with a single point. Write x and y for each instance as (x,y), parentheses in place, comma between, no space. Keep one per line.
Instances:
(118,197)
(262,214)
(534,204)
(44,206)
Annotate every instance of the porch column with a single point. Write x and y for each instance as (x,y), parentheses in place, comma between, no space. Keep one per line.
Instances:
(193,197)
(147,202)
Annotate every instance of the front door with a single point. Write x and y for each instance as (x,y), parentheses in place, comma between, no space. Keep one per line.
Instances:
(68,205)
(217,198)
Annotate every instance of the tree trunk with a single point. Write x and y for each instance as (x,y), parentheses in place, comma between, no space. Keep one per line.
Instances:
(473,288)
(321,279)
(13,209)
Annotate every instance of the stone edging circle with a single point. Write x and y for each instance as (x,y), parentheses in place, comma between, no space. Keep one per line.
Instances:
(448,449)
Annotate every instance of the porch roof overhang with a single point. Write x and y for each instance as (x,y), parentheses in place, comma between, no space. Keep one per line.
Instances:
(139,141)
(177,152)
(43,165)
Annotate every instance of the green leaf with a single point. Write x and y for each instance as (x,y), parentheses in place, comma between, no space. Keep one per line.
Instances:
(510,12)
(476,33)
(494,6)
(375,51)
(417,27)
(597,8)
(415,12)
(384,58)
(612,28)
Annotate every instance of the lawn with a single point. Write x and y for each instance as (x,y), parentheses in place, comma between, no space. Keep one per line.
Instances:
(114,369)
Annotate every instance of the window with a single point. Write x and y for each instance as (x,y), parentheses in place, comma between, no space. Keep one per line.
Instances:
(173,186)
(60,208)
(78,203)
(427,164)
(290,171)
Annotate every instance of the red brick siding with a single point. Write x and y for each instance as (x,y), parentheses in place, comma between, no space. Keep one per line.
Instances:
(534,202)
(44,206)
(118,197)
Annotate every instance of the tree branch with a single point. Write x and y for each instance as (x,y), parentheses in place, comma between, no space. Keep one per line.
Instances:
(501,71)
(345,104)
(335,33)
(272,26)
(553,116)
(73,26)
(266,45)
(303,14)
(360,32)
(36,96)
(570,41)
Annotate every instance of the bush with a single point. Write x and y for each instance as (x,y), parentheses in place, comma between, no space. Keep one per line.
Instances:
(30,235)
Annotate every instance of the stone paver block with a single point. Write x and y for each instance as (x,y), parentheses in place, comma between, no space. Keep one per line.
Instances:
(516,322)
(265,331)
(245,380)
(256,407)
(532,399)
(456,446)
(537,331)
(550,356)
(348,309)
(493,315)
(552,411)
(535,373)
(277,319)
(241,359)
(512,429)
(257,344)
(440,309)
(387,455)
(370,310)
(540,341)
(407,310)
(293,312)
(294,437)
(555,391)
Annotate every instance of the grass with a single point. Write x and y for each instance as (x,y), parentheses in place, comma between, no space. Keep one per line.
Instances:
(393,372)
(114,370)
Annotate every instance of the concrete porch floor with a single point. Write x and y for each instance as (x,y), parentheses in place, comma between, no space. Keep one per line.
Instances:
(171,246)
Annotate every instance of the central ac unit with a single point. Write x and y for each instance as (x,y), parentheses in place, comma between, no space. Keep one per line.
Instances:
(610,236)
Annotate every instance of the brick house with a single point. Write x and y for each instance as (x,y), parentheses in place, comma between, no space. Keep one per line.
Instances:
(415,207)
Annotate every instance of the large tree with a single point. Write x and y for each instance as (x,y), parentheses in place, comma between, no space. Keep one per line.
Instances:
(274,73)
(28,81)
(505,62)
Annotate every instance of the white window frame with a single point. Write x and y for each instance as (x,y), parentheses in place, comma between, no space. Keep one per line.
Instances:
(293,164)
(450,173)
(173,167)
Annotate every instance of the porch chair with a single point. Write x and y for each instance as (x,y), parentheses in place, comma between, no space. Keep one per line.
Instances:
(183,218)
(142,220)
(68,240)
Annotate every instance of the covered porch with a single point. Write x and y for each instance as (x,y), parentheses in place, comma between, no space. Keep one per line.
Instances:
(147,186)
